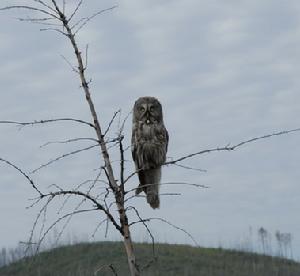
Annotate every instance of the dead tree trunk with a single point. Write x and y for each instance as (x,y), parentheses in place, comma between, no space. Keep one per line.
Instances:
(117,190)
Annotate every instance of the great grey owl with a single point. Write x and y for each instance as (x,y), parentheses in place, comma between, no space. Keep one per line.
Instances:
(149,146)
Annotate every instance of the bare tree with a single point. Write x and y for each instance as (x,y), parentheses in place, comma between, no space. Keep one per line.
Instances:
(3,257)
(263,237)
(114,196)
(284,241)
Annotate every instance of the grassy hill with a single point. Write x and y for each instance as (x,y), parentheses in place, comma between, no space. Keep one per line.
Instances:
(85,259)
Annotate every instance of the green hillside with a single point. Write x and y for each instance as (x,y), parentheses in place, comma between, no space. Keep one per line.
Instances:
(85,259)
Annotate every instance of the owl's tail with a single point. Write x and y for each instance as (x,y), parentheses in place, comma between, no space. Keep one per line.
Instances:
(149,183)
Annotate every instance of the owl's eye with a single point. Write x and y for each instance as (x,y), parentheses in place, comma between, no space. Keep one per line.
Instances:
(142,109)
(151,108)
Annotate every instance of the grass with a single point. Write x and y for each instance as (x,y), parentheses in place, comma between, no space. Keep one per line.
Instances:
(84,259)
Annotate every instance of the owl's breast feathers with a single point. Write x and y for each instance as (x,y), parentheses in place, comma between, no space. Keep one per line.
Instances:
(149,144)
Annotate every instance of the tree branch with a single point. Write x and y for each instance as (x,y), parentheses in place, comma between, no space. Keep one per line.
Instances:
(29,8)
(111,122)
(169,223)
(23,173)
(90,198)
(110,266)
(75,10)
(47,121)
(45,5)
(60,219)
(69,141)
(231,148)
(63,156)
(87,19)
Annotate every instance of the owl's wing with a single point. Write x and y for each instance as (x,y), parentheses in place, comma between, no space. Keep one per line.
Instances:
(133,152)
(167,140)
(133,144)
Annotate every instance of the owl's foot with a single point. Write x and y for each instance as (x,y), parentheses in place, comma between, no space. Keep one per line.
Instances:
(138,190)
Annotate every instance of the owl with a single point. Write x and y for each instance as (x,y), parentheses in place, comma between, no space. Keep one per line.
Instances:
(149,145)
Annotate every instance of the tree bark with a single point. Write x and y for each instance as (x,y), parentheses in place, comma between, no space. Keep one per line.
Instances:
(119,193)
(133,267)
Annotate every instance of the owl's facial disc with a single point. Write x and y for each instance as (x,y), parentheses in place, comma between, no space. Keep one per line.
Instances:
(148,112)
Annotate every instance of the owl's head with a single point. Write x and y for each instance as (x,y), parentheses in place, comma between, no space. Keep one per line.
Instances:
(148,110)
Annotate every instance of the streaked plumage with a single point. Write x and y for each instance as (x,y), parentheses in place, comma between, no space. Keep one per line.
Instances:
(149,146)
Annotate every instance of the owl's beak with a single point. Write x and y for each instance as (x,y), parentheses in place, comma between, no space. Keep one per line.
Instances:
(148,121)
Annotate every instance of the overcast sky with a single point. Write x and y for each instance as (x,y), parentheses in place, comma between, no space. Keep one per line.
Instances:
(224,71)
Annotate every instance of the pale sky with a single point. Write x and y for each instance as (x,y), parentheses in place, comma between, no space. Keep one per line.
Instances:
(224,71)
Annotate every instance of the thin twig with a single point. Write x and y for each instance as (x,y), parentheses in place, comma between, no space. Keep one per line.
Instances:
(143,221)
(110,266)
(37,20)
(98,226)
(60,219)
(91,199)
(124,122)
(69,219)
(231,148)
(23,173)
(141,196)
(87,19)
(37,219)
(28,8)
(35,202)
(131,175)
(70,64)
(75,11)
(54,30)
(43,221)
(189,168)
(86,55)
(45,5)
(170,183)
(111,122)
(69,141)
(63,156)
(79,186)
(47,121)
(169,223)
(55,186)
